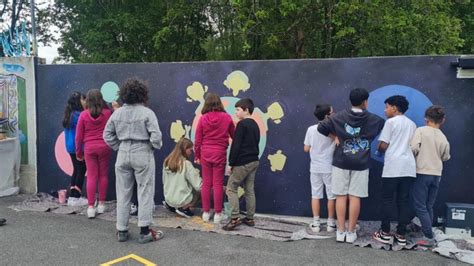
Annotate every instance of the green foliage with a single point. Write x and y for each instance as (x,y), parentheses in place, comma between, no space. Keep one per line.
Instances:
(187,30)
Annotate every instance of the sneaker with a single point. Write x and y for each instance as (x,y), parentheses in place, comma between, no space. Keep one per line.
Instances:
(248,222)
(232,224)
(218,217)
(315,227)
(340,236)
(2,221)
(122,236)
(71,201)
(91,212)
(168,207)
(150,237)
(81,202)
(401,239)
(206,216)
(187,213)
(331,226)
(426,242)
(100,208)
(133,210)
(351,237)
(382,237)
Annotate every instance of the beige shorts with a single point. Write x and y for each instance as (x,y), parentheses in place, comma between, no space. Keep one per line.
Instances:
(350,182)
(318,182)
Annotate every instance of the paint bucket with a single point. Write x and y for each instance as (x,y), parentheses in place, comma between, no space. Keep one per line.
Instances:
(227,209)
(62,196)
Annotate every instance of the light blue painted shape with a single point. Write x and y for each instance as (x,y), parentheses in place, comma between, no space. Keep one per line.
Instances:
(418,103)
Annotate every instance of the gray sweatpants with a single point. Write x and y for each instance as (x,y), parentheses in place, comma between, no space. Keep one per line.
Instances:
(135,161)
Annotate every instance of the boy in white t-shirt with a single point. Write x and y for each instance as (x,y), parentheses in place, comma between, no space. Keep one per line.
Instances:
(321,150)
(399,170)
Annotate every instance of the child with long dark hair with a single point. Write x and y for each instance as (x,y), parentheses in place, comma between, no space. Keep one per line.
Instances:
(91,146)
(181,181)
(75,105)
(212,139)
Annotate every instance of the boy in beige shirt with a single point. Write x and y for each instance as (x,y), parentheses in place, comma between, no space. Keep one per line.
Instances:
(431,149)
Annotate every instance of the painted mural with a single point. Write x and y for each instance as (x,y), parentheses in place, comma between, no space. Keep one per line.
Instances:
(14,88)
(285,93)
(9,105)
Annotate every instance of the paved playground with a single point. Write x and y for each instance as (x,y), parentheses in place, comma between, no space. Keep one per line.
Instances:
(37,238)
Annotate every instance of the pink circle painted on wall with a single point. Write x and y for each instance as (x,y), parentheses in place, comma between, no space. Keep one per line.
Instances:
(62,156)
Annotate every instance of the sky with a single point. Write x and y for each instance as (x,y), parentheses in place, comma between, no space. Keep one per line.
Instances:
(48,52)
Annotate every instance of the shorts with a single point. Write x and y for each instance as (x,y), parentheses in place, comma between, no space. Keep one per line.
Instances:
(350,182)
(318,180)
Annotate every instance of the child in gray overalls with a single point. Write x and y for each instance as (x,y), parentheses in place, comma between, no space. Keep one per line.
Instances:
(133,130)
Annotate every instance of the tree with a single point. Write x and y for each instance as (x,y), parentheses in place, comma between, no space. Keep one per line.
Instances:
(132,31)
(15,12)
(185,30)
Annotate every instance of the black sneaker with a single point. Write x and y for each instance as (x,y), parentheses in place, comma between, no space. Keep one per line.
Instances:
(2,221)
(122,236)
(168,207)
(382,237)
(187,213)
(401,240)
(232,224)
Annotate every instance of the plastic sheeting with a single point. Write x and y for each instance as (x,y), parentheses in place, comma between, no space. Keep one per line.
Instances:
(9,166)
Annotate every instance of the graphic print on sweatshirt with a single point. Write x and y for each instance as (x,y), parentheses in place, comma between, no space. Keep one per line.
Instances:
(355,144)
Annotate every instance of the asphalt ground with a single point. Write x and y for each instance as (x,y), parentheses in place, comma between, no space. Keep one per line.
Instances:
(37,238)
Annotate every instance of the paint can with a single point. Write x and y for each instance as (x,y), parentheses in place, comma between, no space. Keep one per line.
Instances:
(62,196)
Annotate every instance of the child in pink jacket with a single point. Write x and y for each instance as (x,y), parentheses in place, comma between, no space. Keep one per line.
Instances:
(211,142)
(91,146)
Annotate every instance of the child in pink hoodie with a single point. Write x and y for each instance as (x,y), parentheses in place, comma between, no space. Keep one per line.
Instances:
(91,145)
(211,142)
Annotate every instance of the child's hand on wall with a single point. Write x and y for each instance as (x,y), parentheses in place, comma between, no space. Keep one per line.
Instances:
(115,105)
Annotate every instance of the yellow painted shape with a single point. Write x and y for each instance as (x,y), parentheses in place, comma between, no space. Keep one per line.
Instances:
(196,92)
(275,112)
(277,161)
(177,131)
(240,192)
(131,256)
(237,81)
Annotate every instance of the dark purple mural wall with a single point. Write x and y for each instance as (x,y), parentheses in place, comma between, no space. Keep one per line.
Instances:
(285,93)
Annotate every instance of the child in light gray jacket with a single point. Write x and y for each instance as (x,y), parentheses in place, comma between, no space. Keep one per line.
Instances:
(181,181)
(133,130)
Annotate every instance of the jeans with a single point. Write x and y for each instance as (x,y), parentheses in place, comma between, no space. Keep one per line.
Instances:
(425,191)
(399,187)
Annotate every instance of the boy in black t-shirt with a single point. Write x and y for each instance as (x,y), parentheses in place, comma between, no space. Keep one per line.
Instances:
(243,159)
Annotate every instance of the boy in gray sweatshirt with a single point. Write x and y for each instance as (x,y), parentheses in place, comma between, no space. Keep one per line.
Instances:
(133,130)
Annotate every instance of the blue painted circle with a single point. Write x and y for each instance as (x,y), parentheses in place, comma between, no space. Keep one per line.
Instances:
(416,110)
(110,91)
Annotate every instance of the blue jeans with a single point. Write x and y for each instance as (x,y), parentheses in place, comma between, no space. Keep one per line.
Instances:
(425,190)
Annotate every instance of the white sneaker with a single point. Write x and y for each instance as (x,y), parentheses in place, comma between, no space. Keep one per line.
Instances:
(315,227)
(351,237)
(218,217)
(340,236)
(331,226)
(82,202)
(71,201)
(206,216)
(100,208)
(91,212)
